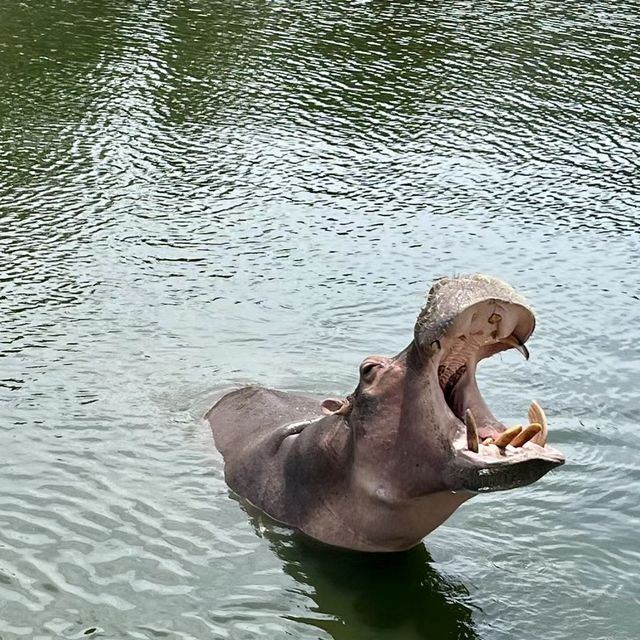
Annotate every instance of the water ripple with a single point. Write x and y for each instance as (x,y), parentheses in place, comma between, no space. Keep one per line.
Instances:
(196,197)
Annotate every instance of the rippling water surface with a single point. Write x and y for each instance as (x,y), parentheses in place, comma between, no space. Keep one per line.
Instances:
(197,195)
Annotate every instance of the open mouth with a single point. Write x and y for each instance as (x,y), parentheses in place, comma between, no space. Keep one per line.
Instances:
(490,455)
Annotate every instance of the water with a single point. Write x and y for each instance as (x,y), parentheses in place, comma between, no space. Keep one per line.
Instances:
(198,195)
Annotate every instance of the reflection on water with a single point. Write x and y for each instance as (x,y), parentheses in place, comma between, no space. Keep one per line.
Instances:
(360,595)
(198,195)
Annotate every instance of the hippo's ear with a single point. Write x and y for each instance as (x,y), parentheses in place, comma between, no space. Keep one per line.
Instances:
(334,406)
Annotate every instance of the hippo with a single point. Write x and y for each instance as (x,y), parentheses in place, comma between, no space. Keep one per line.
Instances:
(378,470)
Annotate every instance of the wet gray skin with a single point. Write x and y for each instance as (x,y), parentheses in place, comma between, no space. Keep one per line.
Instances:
(380,469)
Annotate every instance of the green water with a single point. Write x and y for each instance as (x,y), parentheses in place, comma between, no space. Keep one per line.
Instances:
(198,195)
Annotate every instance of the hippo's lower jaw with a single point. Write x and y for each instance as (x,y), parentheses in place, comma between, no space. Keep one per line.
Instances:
(513,458)
(492,457)
(496,469)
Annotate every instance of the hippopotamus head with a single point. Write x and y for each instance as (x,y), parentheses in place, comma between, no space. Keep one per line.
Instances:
(418,422)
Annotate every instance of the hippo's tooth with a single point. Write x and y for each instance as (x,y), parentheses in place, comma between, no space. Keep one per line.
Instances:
(536,416)
(512,341)
(472,431)
(527,434)
(492,451)
(507,436)
(487,441)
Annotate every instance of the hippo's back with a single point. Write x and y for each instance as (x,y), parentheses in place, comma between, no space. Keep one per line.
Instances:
(246,418)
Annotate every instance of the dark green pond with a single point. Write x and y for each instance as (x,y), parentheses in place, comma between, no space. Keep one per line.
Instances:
(196,195)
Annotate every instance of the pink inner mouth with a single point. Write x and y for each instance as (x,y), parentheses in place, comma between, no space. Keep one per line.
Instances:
(456,375)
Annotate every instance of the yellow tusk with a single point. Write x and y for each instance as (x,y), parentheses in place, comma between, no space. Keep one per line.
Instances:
(526,435)
(507,436)
(536,416)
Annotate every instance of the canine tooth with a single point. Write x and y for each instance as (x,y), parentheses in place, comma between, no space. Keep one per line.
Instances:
(472,431)
(536,416)
(524,436)
(512,341)
(487,441)
(507,436)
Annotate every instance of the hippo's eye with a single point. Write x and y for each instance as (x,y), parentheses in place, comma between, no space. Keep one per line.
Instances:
(368,370)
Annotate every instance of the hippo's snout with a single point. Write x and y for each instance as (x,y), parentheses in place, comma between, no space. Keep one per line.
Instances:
(450,304)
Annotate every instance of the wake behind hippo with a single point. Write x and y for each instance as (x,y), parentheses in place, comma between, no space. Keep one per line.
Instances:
(380,469)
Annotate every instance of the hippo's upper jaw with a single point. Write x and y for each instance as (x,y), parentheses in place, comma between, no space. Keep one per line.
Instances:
(464,321)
